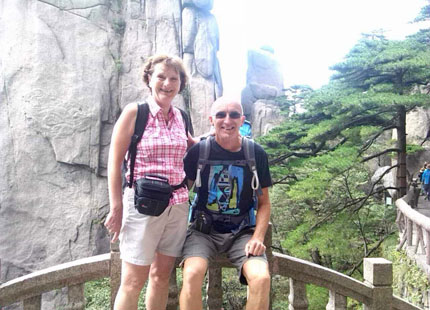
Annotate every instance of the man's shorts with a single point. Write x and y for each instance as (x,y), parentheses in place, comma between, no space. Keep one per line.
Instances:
(142,235)
(208,246)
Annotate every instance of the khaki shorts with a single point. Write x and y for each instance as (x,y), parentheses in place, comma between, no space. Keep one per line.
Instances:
(208,246)
(142,235)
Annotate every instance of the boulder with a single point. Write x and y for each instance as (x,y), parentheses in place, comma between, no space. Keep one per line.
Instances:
(266,115)
(264,83)
(264,70)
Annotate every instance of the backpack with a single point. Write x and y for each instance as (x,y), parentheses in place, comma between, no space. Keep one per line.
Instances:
(233,219)
(246,129)
(139,128)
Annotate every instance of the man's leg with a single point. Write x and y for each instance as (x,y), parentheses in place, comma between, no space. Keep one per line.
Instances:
(158,286)
(256,272)
(193,275)
(426,191)
(133,277)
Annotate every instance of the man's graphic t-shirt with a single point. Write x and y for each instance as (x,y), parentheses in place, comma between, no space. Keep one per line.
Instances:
(226,180)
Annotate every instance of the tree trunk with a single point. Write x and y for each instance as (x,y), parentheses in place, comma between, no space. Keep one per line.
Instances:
(401,156)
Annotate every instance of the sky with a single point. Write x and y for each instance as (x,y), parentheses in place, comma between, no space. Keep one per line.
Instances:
(308,36)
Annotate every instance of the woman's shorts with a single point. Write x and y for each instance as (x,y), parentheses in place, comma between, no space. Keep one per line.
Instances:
(142,235)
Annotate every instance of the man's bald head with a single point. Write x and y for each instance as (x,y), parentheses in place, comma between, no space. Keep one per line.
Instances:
(223,101)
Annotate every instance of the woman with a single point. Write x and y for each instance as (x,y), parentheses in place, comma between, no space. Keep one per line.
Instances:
(149,245)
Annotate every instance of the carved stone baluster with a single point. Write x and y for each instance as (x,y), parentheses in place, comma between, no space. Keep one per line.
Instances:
(427,246)
(115,272)
(409,231)
(297,297)
(379,273)
(336,301)
(76,297)
(173,301)
(214,288)
(420,240)
(33,303)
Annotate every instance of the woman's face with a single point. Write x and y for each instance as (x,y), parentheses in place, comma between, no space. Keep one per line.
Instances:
(165,84)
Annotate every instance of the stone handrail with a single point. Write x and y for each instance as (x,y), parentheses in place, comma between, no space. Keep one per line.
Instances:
(29,288)
(375,292)
(409,220)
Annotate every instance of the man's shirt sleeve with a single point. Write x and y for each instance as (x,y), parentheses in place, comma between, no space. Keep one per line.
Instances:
(262,167)
(190,162)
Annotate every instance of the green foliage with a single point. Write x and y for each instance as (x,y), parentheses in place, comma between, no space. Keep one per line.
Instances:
(317,297)
(413,148)
(409,281)
(97,295)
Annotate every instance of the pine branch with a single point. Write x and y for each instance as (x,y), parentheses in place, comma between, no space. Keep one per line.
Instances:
(289,176)
(397,150)
(373,139)
(358,264)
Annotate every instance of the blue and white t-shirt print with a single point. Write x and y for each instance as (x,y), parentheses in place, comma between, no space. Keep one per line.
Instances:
(225,184)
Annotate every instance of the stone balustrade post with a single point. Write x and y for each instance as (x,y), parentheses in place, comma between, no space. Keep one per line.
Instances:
(33,303)
(336,301)
(297,298)
(214,288)
(173,300)
(114,272)
(76,297)
(378,272)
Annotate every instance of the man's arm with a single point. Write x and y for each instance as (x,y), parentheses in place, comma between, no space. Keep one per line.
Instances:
(256,246)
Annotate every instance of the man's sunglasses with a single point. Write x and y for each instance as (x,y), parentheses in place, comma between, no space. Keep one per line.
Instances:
(232,114)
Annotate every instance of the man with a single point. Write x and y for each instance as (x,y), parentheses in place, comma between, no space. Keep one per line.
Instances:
(223,213)
(425,178)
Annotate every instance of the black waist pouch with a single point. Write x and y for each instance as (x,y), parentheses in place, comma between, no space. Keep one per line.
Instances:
(152,194)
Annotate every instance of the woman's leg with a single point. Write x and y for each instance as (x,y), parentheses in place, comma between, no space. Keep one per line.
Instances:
(133,277)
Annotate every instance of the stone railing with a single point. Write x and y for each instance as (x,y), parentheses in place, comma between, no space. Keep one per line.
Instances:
(414,229)
(375,292)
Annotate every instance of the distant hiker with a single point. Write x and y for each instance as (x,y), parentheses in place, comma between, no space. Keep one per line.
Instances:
(231,181)
(151,229)
(420,173)
(415,193)
(425,179)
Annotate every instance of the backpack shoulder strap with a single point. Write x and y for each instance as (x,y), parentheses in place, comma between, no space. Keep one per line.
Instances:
(187,123)
(249,151)
(139,128)
(204,151)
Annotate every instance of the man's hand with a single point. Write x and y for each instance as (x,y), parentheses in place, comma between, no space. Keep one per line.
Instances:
(255,247)
(113,224)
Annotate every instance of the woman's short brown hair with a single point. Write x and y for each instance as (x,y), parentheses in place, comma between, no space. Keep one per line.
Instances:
(170,61)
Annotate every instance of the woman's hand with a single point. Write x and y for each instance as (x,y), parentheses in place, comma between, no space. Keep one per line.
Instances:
(113,223)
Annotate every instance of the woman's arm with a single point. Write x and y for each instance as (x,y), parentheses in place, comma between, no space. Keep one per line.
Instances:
(121,137)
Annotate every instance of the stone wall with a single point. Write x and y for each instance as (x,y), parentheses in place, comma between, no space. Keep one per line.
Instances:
(67,68)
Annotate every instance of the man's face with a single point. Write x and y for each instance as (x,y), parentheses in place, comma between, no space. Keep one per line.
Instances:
(227,119)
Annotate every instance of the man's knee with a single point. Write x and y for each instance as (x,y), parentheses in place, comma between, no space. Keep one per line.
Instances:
(194,271)
(260,281)
(257,274)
